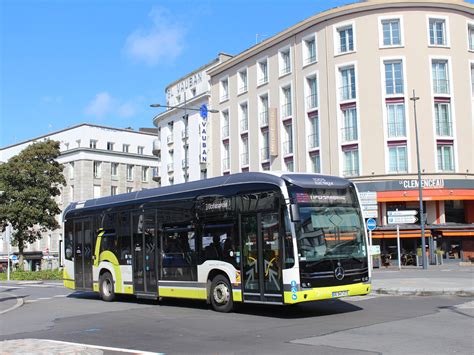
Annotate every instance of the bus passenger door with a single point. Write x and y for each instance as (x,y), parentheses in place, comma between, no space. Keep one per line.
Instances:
(261,259)
(83,254)
(145,254)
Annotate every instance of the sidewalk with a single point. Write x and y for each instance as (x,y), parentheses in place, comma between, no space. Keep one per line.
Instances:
(447,279)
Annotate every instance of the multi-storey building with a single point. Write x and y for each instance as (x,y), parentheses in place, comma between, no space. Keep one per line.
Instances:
(98,161)
(181,137)
(333,95)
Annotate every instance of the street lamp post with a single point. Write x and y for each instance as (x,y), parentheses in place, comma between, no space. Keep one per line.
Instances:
(420,189)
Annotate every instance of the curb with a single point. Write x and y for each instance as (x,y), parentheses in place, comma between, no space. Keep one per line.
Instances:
(35,282)
(462,293)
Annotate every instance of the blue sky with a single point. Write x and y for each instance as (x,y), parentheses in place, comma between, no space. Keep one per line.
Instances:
(104,61)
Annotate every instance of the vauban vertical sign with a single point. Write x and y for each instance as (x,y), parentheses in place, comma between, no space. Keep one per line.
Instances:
(273,131)
(203,126)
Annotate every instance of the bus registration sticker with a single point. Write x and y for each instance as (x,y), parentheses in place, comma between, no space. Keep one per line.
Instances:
(340,294)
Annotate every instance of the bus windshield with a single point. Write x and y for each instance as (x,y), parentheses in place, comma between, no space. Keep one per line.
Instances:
(330,225)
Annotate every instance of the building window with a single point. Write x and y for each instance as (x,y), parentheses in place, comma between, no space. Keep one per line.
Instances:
(444,125)
(393,77)
(263,110)
(437,32)
(348,88)
(125,148)
(346,39)
(312,98)
(203,174)
(97,189)
(313,138)
(226,157)
(110,146)
(288,139)
(225,124)
(309,50)
(285,61)
(472,79)
(396,120)
(144,174)
(129,189)
(113,190)
(262,71)
(351,163)
(114,171)
(445,157)
(290,165)
(93,144)
(470,34)
(140,150)
(242,79)
(129,172)
(440,76)
(398,159)
(224,89)
(97,169)
(71,191)
(71,170)
(244,157)
(315,163)
(244,117)
(391,32)
(265,151)
(349,125)
(286,109)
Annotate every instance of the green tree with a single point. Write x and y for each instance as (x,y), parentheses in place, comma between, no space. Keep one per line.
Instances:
(29,183)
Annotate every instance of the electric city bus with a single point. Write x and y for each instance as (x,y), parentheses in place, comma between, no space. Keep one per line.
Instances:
(274,238)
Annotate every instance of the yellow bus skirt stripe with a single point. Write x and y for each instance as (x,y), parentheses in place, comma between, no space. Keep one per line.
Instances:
(196,293)
(68,281)
(322,293)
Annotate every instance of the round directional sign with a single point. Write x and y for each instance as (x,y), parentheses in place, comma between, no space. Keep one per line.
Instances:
(13,257)
(371,224)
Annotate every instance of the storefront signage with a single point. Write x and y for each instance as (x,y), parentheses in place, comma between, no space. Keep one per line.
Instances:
(203,134)
(185,84)
(273,131)
(425,183)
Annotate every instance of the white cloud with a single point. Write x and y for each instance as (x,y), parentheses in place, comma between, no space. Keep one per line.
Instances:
(101,105)
(162,42)
(105,104)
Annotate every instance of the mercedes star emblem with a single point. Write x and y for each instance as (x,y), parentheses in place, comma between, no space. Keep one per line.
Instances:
(339,272)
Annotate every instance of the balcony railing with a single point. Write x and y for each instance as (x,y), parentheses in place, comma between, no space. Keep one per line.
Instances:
(225,132)
(349,134)
(156,147)
(265,153)
(155,175)
(313,141)
(170,167)
(444,129)
(244,159)
(350,172)
(169,139)
(310,59)
(224,97)
(285,70)
(184,163)
(312,101)
(396,130)
(244,125)
(264,118)
(185,134)
(225,164)
(347,92)
(394,87)
(288,147)
(243,88)
(441,86)
(286,110)
(263,79)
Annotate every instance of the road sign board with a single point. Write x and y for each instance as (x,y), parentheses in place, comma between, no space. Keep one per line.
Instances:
(371,224)
(203,111)
(368,201)
(13,257)
(402,219)
(374,249)
(402,213)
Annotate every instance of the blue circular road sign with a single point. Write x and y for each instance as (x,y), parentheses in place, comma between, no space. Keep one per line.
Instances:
(13,257)
(371,224)
(203,111)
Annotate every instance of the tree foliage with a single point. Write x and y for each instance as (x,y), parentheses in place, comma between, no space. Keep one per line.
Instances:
(30,182)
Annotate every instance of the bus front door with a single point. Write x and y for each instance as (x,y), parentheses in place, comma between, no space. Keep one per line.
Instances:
(261,260)
(145,255)
(83,248)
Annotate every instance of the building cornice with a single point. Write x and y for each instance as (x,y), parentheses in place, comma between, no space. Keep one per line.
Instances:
(106,152)
(334,13)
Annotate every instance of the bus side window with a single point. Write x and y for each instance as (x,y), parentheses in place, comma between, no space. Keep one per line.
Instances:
(68,241)
(289,261)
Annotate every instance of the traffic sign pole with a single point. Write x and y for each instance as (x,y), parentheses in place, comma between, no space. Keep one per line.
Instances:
(398,248)
(8,248)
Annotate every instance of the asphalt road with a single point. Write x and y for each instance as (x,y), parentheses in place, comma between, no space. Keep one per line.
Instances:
(372,324)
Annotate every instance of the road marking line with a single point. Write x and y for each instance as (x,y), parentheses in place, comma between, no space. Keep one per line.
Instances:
(44,298)
(12,286)
(61,296)
(19,303)
(106,348)
(31,301)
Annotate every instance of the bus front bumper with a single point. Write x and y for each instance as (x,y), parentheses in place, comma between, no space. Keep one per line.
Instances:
(323,293)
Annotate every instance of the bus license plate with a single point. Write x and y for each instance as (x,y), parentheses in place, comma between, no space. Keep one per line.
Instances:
(340,294)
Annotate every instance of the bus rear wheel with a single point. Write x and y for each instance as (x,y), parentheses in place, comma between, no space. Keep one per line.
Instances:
(106,287)
(221,294)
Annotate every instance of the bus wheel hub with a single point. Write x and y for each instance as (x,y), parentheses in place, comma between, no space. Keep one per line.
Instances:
(221,294)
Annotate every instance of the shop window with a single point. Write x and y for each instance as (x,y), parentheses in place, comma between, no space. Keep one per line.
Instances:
(454,211)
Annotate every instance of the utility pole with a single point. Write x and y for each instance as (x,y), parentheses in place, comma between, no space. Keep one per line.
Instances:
(414,98)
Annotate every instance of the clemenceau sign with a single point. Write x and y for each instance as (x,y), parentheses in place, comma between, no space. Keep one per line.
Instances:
(425,183)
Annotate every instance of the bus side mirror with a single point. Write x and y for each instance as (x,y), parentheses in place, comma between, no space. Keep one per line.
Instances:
(295,213)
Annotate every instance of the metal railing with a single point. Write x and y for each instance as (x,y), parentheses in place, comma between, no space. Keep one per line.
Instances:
(185,133)
(243,88)
(396,130)
(285,69)
(265,153)
(312,101)
(264,118)
(444,129)
(310,59)
(263,79)
(225,164)
(244,125)
(313,141)
(184,163)
(244,158)
(224,97)
(156,146)
(286,110)
(441,86)
(347,92)
(350,172)
(170,167)
(394,87)
(288,147)
(349,134)
(169,139)
(225,131)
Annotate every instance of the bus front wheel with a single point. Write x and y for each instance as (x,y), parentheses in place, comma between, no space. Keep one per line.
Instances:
(106,287)
(221,294)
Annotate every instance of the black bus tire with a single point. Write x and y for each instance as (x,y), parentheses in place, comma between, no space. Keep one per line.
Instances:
(106,287)
(221,294)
